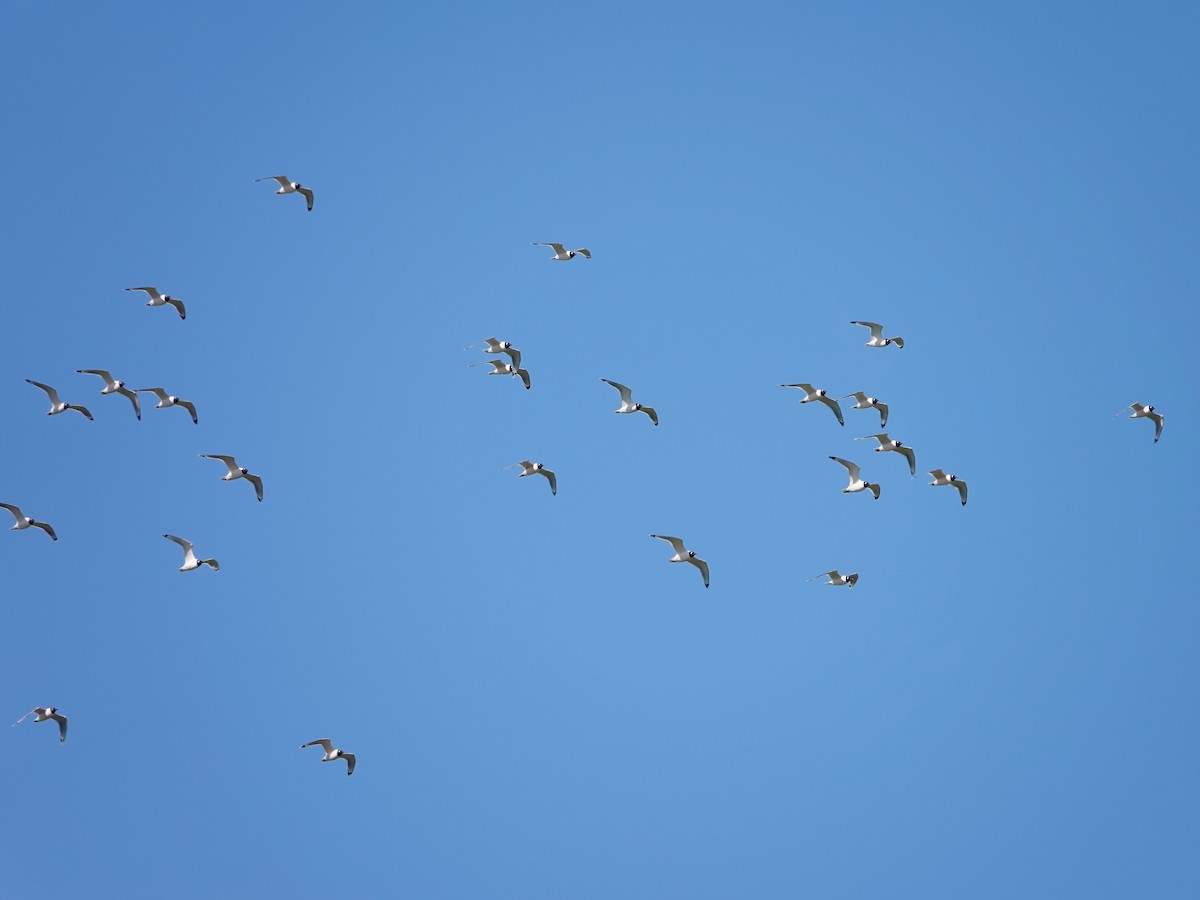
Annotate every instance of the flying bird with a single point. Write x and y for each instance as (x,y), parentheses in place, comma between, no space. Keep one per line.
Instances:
(561,253)
(45,714)
(683,554)
(886,444)
(112,386)
(287,186)
(499,367)
(235,472)
(166,400)
(495,346)
(532,468)
(865,402)
(837,579)
(811,394)
(856,482)
(56,405)
(157,299)
(332,753)
(627,404)
(23,521)
(941,479)
(1147,412)
(877,338)
(190,561)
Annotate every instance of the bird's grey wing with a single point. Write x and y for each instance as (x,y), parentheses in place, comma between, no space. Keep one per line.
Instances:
(649,410)
(675,542)
(701,565)
(852,579)
(149,289)
(626,393)
(50,392)
(257,482)
(349,758)
(852,468)
(230,462)
(524,373)
(962,489)
(912,459)
(1158,425)
(515,355)
(883,413)
(283,180)
(875,490)
(190,407)
(27,715)
(158,392)
(62,727)
(85,412)
(882,438)
(109,381)
(553,481)
(137,404)
(584,252)
(324,742)
(498,365)
(837,410)
(15,510)
(876,328)
(46,528)
(937,474)
(186,545)
(308,196)
(179,307)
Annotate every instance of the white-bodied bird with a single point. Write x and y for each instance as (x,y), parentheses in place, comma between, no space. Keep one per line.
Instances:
(536,468)
(499,367)
(236,471)
(495,346)
(166,400)
(561,253)
(862,401)
(811,393)
(1147,412)
(683,554)
(113,386)
(157,299)
(877,338)
(332,753)
(23,521)
(287,186)
(941,479)
(886,444)
(45,714)
(627,404)
(56,405)
(856,482)
(190,561)
(837,579)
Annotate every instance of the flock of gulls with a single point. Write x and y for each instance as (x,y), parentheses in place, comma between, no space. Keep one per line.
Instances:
(513,368)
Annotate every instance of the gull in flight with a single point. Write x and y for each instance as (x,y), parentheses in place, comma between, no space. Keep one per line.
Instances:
(683,554)
(165,400)
(502,368)
(112,386)
(561,253)
(837,579)
(157,299)
(190,561)
(287,186)
(811,394)
(45,714)
(56,405)
(236,472)
(1147,412)
(865,402)
(332,753)
(941,479)
(877,338)
(532,468)
(887,444)
(23,521)
(495,346)
(856,482)
(627,404)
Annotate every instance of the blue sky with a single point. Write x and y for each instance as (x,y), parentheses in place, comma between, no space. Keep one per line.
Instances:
(540,704)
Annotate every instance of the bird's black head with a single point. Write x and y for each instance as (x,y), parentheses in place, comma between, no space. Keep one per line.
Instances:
(691,554)
(244,471)
(637,406)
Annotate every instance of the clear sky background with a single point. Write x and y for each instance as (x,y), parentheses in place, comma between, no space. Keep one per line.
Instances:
(542,706)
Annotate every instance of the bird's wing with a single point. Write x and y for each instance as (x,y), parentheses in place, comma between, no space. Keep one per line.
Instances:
(283,180)
(962,489)
(27,715)
(515,355)
(899,342)
(15,510)
(158,392)
(859,396)
(62,727)
(257,482)
(675,542)
(109,381)
(186,545)
(324,742)
(584,252)
(179,307)
(46,528)
(190,407)
(84,411)
(883,413)
(230,462)
(553,481)
(837,410)
(526,466)
(557,248)
(912,459)
(824,575)
(882,438)
(50,392)
(938,474)
(852,579)
(524,373)
(498,365)
(149,289)
(308,195)
(137,404)
(875,490)
(876,328)
(349,758)
(701,565)
(649,410)
(626,393)
(1158,424)
(852,468)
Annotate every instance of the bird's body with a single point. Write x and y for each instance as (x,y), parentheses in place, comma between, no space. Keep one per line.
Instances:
(23,521)
(811,393)
(683,554)
(886,444)
(561,253)
(45,714)
(536,468)
(877,338)
(856,482)
(941,479)
(157,299)
(627,404)
(166,400)
(113,386)
(287,186)
(836,579)
(56,405)
(236,471)
(190,561)
(495,346)
(1147,412)
(332,753)
(862,401)
(499,367)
